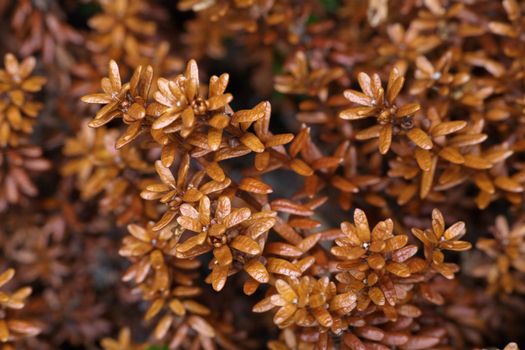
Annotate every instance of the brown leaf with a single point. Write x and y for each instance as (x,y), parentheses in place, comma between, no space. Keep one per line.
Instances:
(114,76)
(456,245)
(189,223)
(407,109)
(326,162)
(236,217)
(6,276)
(283,249)
(99,98)
(423,158)
(467,140)
(163,326)
(164,173)
(358,97)
(377,296)
(420,138)
(137,231)
(263,305)
(398,269)
(287,206)
(370,333)
(357,113)
(447,128)
(278,140)
(220,101)
(252,142)
(365,83)
(385,138)
(246,245)
(282,267)
(508,184)
(284,313)
(322,316)
(250,184)
(223,255)
(452,155)
(376,261)
(369,133)
(353,342)
(361,224)
(350,253)
(215,172)
(26,328)
(201,326)
(301,168)
(476,162)
(455,231)
(285,291)
(247,115)
(257,271)
(395,84)
(404,253)
(219,274)
(345,300)
(309,242)
(344,185)
(427,179)
(420,342)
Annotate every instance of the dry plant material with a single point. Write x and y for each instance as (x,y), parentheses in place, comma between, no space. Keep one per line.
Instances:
(503,264)
(118,30)
(122,342)
(248,174)
(19,165)
(379,102)
(40,27)
(12,328)
(17,109)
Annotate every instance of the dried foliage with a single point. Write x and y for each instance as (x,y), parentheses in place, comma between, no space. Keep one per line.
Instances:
(16,88)
(11,328)
(355,181)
